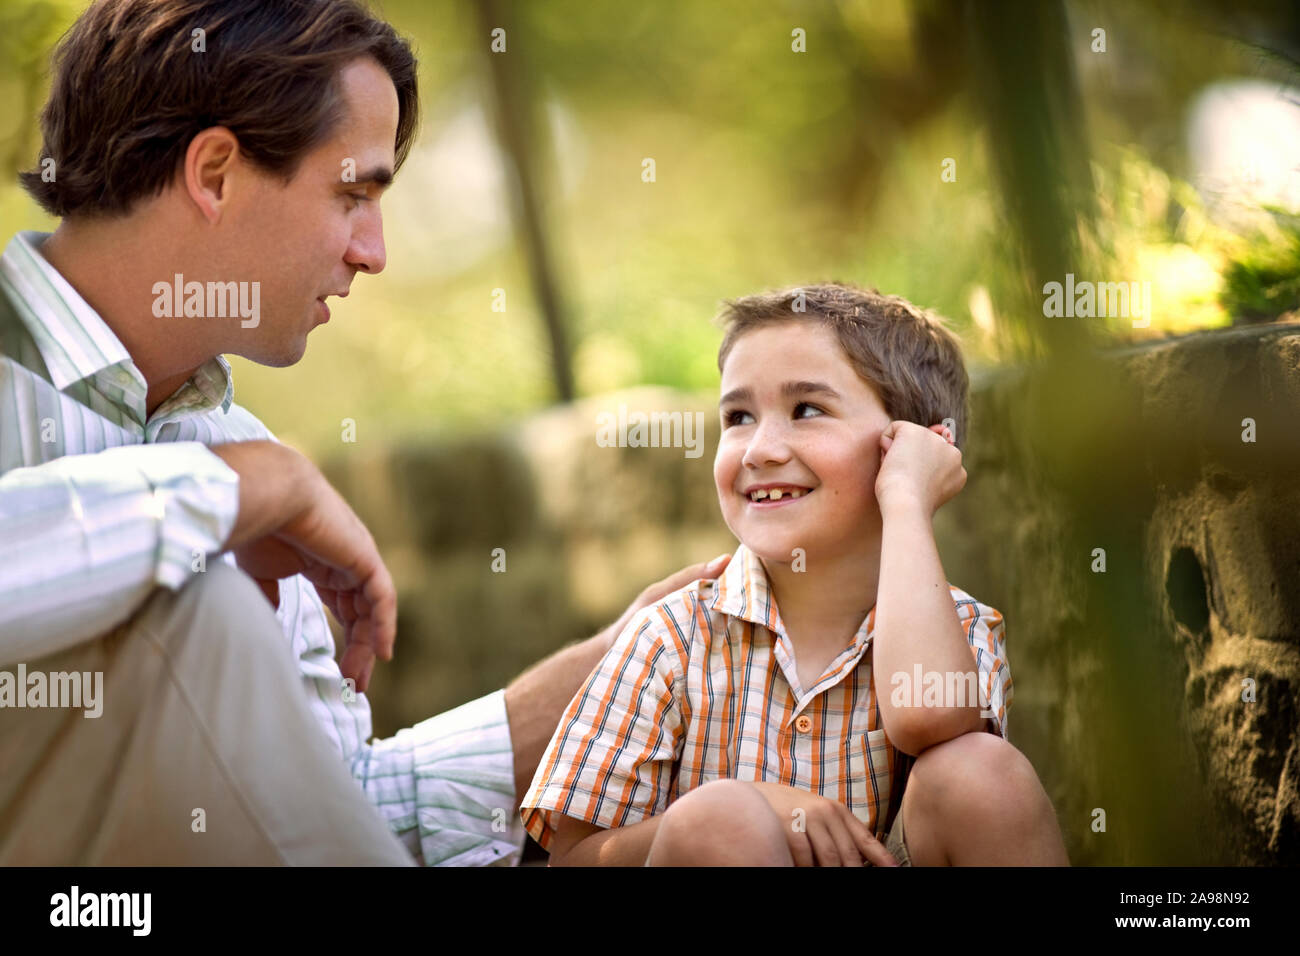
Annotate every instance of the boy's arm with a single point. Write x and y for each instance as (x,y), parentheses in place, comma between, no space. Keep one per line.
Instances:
(916,624)
(536,699)
(579,843)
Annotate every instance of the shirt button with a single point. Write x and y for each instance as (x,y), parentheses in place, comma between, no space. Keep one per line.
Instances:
(803,723)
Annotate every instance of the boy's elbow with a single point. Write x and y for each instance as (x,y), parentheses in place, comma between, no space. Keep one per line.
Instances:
(916,735)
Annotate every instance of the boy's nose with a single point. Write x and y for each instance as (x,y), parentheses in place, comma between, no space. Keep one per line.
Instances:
(768,446)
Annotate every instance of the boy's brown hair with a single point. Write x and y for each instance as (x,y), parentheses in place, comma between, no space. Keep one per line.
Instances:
(134,82)
(907,355)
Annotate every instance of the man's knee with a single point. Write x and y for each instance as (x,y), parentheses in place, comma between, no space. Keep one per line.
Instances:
(723,823)
(222,608)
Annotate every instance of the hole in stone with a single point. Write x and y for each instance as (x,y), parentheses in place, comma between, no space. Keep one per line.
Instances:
(1186,587)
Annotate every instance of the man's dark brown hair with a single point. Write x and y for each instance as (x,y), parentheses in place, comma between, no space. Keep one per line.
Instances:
(907,355)
(134,83)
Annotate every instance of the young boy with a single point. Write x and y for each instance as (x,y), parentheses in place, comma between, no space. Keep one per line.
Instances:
(775,716)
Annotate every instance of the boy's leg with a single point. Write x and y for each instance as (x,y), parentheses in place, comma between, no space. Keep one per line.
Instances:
(975,800)
(723,823)
(202,710)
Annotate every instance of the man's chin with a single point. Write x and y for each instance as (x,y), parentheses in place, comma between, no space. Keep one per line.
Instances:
(289,354)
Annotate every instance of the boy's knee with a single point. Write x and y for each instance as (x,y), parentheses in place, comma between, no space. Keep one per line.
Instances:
(975,772)
(723,823)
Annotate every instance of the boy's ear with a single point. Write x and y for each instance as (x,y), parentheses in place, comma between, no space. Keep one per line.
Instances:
(210,162)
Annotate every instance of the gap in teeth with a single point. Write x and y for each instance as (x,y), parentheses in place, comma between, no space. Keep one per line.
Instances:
(776,494)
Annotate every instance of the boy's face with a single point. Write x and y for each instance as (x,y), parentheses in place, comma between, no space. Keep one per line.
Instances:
(796,415)
(308,239)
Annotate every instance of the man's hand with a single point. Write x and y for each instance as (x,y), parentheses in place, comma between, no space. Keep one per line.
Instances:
(830,834)
(291,521)
(661,589)
(918,464)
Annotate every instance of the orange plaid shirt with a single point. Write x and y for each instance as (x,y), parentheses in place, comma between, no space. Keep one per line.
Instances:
(702,686)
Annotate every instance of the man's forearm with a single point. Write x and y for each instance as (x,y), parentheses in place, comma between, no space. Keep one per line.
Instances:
(149,511)
(917,627)
(535,702)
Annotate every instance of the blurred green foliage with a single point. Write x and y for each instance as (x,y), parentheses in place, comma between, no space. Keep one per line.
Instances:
(1265,280)
(773,168)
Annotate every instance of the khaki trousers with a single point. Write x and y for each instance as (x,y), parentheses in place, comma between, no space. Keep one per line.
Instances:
(203,710)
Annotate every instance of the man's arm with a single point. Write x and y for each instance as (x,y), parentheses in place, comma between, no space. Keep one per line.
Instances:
(535,700)
(84,539)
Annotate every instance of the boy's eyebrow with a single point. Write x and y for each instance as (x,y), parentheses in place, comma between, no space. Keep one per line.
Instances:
(789,390)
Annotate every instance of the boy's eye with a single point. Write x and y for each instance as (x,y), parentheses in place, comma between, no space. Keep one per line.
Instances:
(806,405)
(734,417)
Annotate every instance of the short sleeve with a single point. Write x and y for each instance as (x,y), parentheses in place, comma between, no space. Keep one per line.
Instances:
(611,758)
(986,634)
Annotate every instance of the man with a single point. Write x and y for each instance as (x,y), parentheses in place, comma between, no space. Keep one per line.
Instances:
(217,167)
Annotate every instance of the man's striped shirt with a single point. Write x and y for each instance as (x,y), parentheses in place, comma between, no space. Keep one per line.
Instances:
(101,503)
(702,686)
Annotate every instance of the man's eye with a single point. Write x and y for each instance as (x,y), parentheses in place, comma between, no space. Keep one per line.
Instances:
(359,199)
(806,405)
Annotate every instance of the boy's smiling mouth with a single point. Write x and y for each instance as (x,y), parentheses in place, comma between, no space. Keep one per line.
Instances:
(774,495)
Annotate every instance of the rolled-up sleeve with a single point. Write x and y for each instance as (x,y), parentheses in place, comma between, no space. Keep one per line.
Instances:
(986,634)
(85,539)
(446,786)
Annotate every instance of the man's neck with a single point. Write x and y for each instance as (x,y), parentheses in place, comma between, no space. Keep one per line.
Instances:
(114,267)
(825,604)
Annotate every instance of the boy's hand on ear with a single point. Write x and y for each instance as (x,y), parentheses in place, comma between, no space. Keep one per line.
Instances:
(918,466)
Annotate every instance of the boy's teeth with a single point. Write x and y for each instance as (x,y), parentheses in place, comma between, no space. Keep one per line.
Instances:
(776,494)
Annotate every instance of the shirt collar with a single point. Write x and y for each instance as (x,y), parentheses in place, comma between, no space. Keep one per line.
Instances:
(74,340)
(744,591)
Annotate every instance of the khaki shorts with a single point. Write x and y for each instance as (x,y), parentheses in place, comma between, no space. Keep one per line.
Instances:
(896,841)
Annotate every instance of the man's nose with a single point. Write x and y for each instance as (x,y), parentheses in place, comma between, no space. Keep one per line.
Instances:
(366,253)
(768,445)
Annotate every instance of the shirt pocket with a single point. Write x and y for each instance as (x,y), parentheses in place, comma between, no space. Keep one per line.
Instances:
(870,777)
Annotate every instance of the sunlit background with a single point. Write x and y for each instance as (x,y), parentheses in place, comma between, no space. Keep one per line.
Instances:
(772,167)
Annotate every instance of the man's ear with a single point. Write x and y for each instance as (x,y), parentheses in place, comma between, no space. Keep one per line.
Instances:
(210,162)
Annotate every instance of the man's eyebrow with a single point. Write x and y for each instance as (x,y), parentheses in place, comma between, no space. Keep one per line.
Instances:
(789,390)
(381,176)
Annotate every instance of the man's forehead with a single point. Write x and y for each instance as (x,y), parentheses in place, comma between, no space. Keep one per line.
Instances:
(367,130)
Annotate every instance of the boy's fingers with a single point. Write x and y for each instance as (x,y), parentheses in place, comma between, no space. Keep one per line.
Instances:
(801,850)
(943,431)
(823,845)
(844,843)
(873,851)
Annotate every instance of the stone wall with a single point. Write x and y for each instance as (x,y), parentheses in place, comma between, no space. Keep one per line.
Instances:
(1129,682)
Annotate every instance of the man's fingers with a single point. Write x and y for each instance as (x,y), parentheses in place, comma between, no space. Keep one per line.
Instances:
(674,582)
(358,661)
